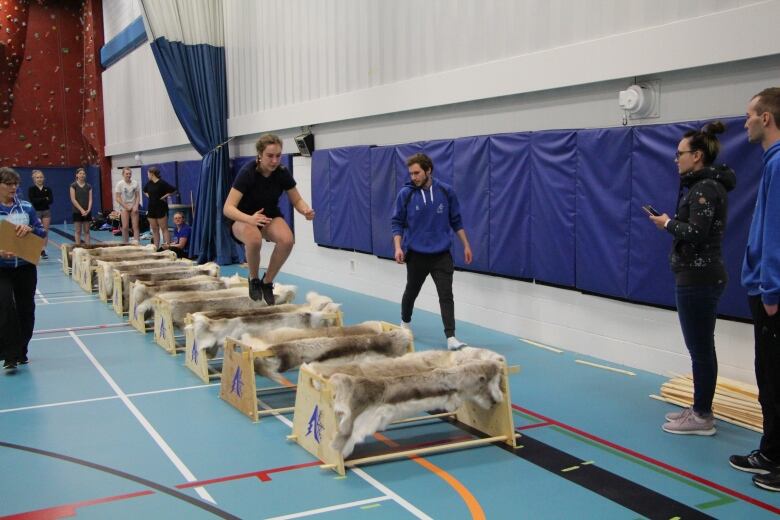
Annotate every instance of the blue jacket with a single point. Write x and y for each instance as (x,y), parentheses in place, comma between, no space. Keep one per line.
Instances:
(761,267)
(425,218)
(20,212)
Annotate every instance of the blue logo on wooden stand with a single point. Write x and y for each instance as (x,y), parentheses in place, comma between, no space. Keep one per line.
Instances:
(237,386)
(162,329)
(194,356)
(315,425)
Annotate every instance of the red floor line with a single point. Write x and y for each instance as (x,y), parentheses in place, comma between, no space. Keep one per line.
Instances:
(530,426)
(653,461)
(262,475)
(69,510)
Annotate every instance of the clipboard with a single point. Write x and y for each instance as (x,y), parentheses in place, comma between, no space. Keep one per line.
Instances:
(28,247)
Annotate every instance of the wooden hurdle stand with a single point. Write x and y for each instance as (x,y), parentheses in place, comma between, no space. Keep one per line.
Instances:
(123,281)
(65,250)
(165,328)
(314,402)
(152,262)
(84,272)
(139,322)
(239,387)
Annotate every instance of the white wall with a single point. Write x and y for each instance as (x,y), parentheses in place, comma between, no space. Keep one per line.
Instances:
(118,14)
(296,63)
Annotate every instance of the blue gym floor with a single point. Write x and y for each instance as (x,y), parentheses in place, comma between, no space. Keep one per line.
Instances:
(104,424)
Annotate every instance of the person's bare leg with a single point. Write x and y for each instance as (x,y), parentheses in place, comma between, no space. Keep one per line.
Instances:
(252,240)
(163,223)
(155,232)
(85,227)
(46,221)
(280,234)
(136,228)
(125,225)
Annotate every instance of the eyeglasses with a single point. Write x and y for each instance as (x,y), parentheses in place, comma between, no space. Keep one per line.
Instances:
(677,154)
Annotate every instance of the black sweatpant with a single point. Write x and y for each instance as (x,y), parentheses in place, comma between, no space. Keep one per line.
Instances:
(766,330)
(17,309)
(440,267)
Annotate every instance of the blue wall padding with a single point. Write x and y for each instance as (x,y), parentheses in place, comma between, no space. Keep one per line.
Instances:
(320,196)
(59,180)
(472,186)
(602,226)
(384,188)
(553,205)
(187,174)
(510,205)
(562,207)
(655,181)
(350,183)
(746,160)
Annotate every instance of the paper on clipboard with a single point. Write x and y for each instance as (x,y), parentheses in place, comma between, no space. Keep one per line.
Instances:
(28,247)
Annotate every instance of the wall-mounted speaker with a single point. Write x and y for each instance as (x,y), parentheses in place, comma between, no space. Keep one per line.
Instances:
(305,143)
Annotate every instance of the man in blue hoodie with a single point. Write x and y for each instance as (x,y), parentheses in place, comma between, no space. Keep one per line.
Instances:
(426,213)
(18,278)
(761,278)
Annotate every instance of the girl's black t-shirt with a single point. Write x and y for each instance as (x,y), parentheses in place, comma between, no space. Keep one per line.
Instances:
(155,191)
(260,192)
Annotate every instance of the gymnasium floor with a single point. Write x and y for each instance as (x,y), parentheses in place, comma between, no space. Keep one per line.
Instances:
(104,424)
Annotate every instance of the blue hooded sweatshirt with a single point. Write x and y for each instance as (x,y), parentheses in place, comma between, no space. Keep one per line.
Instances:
(761,267)
(20,212)
(426,217)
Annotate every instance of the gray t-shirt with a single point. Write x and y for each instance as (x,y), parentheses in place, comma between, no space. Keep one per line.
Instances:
(82,194)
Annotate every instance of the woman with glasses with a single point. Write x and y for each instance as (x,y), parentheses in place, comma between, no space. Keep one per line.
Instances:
(697,263)
(18,278)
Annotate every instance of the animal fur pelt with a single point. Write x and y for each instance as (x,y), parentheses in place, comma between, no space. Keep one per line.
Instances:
(210,333)
(284,334)
(108,266)
(340,349)
(366,400)
(104,245)
(129,274)
(144,291)
(183,303)
(84,256)
(315,302)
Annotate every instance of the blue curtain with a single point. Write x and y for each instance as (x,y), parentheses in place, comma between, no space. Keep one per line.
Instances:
(194,76)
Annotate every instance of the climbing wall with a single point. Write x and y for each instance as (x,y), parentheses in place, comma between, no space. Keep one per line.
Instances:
(46,97)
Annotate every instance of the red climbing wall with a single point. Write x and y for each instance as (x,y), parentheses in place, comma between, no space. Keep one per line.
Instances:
(42,77)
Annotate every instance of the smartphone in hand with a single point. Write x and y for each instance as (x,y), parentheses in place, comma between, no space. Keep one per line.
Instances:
(650,210)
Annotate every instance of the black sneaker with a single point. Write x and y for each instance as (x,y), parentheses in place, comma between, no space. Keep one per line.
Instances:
(9,365)
(770,481)
(255,291)
(268,293)
(44,255)
(23,360)
(754,462)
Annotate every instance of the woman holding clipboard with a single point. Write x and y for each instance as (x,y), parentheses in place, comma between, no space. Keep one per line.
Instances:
(18,278)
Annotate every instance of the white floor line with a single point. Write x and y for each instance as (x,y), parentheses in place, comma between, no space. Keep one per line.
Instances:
(70,302)
(368,478)
(40,295)
(328,509)
(86,334)
(183,469)
(82,327)
(107,398)
(70,296)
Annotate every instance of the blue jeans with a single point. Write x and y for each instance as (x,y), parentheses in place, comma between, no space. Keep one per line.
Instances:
(697,308)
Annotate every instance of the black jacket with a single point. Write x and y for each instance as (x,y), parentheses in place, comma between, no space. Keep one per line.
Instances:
(40,199)
(699,225)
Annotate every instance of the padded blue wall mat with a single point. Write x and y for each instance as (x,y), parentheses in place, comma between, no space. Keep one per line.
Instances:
(603,195)
(510,205)
(559,206)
